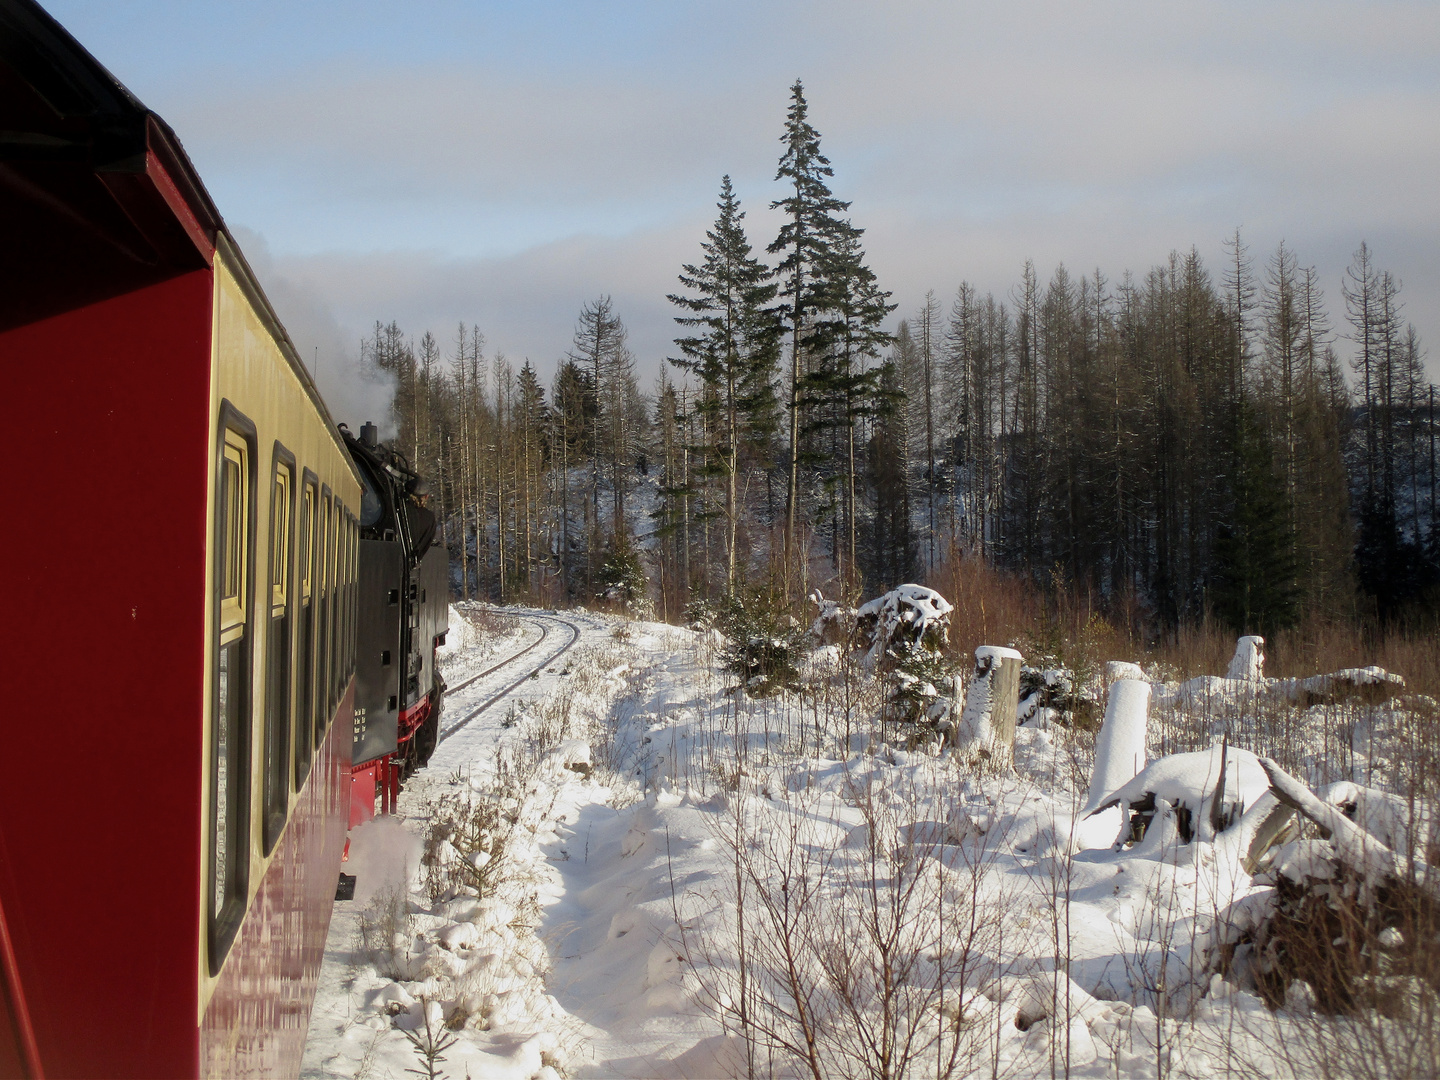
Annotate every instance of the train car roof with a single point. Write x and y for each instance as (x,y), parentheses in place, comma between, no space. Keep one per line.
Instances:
(97,195)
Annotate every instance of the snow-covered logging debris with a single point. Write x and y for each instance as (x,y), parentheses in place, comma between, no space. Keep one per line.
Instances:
(1056,695)
(1406,826)
(1195,795)
(1349,924)
(1120,749)
(1352,846)
(891,627)
(986,730)
(1369,684)
(1245,683)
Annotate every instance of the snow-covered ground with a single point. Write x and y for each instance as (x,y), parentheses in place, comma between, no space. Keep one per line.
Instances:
(624,868)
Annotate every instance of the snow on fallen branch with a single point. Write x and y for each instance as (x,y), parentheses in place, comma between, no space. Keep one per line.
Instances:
(1353,847)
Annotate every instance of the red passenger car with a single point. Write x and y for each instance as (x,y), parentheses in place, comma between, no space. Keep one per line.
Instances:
(179,618)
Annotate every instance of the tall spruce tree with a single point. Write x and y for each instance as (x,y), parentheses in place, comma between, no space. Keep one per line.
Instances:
(599,339)
(1255,590)
(842,386)
(889,558)
(573,424)
(733,353)
(811,227)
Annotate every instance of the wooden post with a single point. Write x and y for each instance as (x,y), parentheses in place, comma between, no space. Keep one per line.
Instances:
(1005,697)
(986,731)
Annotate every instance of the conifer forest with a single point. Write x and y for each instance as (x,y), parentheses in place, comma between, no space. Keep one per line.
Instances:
(1242,441)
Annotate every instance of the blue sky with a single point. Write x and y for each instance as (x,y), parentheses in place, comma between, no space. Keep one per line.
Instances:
(506,162)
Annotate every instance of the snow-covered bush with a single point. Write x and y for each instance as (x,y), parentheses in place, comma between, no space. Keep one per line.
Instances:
(893,626)
(465,848)
(900,637)
(1066,673)
(1055,693)
(762,647)
(387,933)
(621,581)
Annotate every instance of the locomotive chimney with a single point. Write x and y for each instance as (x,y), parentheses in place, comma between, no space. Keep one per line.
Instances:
(369,433)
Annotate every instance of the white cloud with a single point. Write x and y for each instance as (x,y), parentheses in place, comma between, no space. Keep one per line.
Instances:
(513,187)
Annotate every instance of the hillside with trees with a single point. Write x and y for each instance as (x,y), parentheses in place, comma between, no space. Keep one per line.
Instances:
(1189,441)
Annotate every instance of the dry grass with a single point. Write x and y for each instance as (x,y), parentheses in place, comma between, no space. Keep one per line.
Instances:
(996,607)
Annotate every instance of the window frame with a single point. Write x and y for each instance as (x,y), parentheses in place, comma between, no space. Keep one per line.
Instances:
(301,743)
(233,624)
(324,691)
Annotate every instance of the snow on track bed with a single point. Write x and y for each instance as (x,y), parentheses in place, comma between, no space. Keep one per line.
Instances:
(360,1014)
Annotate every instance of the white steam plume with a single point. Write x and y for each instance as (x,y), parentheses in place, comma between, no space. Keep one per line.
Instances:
(354,391)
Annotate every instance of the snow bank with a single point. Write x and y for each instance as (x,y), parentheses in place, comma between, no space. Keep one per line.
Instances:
(461,637)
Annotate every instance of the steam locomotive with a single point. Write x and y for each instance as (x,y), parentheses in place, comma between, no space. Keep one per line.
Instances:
(403,618)
(221,610)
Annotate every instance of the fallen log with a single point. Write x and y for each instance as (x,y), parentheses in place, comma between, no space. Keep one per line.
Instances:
(1353,847)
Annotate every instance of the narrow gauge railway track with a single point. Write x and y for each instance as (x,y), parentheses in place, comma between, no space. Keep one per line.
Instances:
(544,633)
(546,623)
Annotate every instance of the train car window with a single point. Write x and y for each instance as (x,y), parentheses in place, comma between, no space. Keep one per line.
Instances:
(354,599)
(322,621)
(355,609)
(278,698)
(230,704)
(305,631)
(337,635)
(346,602)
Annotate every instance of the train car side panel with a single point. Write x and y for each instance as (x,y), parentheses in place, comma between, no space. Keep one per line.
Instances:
(259,1012)
(109,574)
(269,857)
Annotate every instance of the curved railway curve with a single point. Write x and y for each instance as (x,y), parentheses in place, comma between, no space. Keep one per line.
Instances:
(550,625)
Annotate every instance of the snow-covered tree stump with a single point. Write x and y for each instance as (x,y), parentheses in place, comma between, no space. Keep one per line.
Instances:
(1248,663)
(1120,749)
(986,732)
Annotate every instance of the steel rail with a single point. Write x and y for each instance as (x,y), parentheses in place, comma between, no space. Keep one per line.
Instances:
(473,713)
(544,632)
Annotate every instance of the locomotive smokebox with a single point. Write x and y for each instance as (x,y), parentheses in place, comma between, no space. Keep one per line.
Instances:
(369,433)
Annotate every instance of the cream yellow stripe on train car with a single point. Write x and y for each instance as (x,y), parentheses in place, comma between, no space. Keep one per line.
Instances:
(252,373)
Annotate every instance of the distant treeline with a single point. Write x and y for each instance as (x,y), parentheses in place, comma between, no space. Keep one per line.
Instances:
(1196,442)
